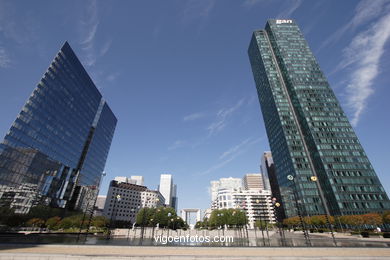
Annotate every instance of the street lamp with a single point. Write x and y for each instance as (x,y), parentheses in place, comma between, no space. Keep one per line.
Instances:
(169,215)
(261,223)
(222,223)
(132,210)
(314,179)
(295,192)
(277,214)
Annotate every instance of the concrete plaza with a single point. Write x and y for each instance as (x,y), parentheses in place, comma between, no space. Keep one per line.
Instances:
(73,252)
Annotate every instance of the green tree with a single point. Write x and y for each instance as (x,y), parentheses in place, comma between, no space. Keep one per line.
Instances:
(144,216)
(386,217)
(230,217)
(292,222)
(53,222)
(35,222)
(372,219)
(164,216)
(99,222)
(73,222)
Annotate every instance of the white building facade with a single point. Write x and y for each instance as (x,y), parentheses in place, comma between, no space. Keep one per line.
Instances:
(224,183)
(253,181)
(166,188)
(256,203)
(125,199)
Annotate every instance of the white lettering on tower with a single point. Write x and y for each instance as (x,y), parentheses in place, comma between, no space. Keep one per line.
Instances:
(283,21)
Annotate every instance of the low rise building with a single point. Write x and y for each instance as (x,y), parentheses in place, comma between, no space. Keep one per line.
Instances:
(257,204)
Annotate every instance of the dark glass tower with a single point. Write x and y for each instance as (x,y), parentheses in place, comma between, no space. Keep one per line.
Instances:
(308,132)
(55,151)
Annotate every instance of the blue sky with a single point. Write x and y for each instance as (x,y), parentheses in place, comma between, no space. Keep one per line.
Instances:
(178,78)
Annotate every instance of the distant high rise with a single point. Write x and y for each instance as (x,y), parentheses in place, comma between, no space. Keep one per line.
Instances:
(125,179)
(266,158)
(55,151)
(224,183)
(308,132)
(139,180)
(166,188)
(268,169)
(175,199)
(253,181)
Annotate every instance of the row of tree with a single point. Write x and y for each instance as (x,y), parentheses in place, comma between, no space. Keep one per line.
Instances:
(350,221)
(224,217)
(48,217)
(54,219)
(161,217)
(76,221)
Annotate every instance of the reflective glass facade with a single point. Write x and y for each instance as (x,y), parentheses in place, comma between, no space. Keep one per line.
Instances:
(55,151)
(308,132)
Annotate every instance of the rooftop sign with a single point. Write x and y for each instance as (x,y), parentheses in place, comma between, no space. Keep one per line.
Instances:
(283,21)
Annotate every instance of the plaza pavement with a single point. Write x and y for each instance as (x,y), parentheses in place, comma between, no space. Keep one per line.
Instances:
(82,252)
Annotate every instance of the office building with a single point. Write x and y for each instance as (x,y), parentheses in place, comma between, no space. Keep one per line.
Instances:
(253,181)
(265,158)
(175,199)
(268,169)
(125,179)
(166,188)
(139,180)
(257,204)
(309,134)
(55,151)
(224,183)
(125,199)
(99,206)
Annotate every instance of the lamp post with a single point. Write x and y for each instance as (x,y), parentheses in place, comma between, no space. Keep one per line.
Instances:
(323,200)
(169,215)
(116,198)
(261,222)
(279,223)
(295,192)
(222,222)
(143,224)
(265,221)
(132,210)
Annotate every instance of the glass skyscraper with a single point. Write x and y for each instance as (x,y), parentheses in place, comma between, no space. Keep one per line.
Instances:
(309,134)
(55,152)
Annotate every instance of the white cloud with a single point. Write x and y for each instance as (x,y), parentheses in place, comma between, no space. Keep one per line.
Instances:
(286,13)
(250,3)
(89,25)
(234,149)
(177,144)
(4,59)
(112,77)
(193,116)
(365,11)
(231,154)
(105,48)
(222,117)
(363,56)
(195,10)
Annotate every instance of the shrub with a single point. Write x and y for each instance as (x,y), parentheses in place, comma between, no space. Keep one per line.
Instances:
(365,234)
(386,235)
(35,222)
(52,223)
